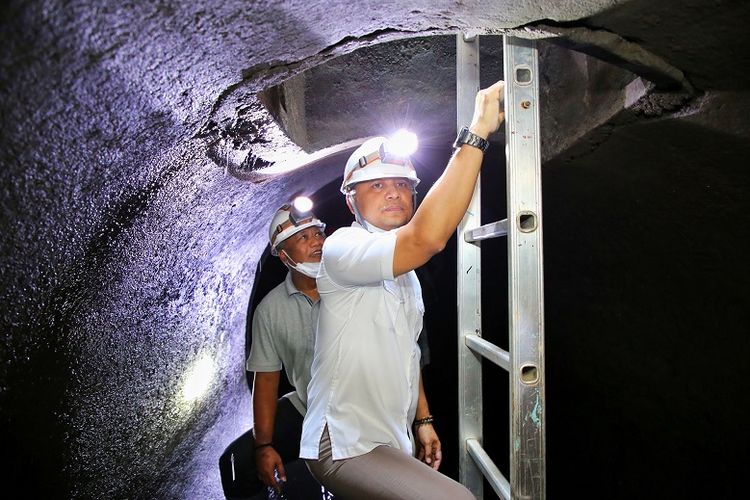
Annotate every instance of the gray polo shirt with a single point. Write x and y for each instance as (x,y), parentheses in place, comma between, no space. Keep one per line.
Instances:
(282,334)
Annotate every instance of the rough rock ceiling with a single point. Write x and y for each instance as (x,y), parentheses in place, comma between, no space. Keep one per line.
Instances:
(129,250)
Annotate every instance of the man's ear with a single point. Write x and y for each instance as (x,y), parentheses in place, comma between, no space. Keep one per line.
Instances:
(349,202)
(283,257)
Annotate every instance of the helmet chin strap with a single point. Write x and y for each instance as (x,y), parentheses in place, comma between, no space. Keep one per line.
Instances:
(290,258)
(372,228)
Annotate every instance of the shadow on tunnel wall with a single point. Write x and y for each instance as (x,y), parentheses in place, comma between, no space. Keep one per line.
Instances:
(33,440)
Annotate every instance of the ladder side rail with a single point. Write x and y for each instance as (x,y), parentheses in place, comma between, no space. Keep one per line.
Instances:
(496,478)
(525,278)
(468,282)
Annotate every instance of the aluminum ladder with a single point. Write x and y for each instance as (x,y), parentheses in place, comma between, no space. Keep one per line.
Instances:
(523,227)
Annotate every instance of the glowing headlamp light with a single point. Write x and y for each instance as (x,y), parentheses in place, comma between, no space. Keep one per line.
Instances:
(395,150)
(300,214)
(301,210)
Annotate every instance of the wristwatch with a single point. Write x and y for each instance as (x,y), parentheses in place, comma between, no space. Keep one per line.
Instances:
(466,137)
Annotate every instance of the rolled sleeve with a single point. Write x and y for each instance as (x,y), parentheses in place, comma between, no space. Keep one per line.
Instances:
(355,257)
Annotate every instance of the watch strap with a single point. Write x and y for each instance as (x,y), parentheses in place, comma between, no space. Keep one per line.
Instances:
(467,137)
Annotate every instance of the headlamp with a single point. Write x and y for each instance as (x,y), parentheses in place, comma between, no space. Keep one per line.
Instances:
(381,158)
(300,210)
(290,219)
(386,156)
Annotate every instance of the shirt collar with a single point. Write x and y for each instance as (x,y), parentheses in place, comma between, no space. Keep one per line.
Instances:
(290,288)
(371,228)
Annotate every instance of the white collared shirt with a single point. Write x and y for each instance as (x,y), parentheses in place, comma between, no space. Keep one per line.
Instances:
(365,370)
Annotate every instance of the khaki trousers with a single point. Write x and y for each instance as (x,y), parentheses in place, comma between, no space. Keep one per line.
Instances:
(384,473)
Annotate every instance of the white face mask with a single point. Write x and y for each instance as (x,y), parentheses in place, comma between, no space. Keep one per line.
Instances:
(309,269)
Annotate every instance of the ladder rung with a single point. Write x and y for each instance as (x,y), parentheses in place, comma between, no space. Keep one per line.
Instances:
(491,230)
(488,350)
(489,469)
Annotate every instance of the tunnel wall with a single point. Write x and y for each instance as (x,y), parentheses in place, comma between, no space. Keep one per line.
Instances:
(127,255)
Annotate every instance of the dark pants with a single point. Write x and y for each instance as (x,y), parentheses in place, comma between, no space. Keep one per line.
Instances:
(239,476)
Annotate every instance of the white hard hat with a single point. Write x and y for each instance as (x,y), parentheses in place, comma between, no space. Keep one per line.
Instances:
(277,234)
(372,161)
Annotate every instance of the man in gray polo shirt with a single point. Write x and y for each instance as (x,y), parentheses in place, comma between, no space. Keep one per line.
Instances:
(282,335)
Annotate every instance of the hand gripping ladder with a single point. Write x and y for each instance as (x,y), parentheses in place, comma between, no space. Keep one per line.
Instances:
(525,359)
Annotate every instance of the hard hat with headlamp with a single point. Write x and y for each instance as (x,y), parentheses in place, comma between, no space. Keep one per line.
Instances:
(299,219)
(374,159)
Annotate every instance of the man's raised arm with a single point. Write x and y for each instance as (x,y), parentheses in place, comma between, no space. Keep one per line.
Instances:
(445,204)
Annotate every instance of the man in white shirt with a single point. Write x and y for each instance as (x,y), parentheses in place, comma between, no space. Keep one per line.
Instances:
(364,398)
